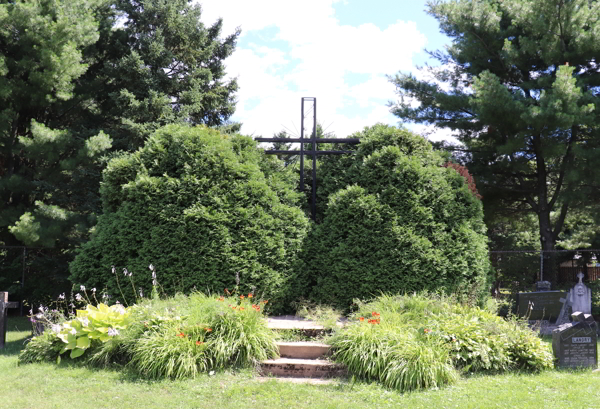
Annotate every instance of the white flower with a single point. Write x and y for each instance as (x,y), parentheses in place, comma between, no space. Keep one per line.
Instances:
(73,331)
(112,332)
(151,267)
(125,272)
(62,296)
(39,316)
(113,269)
(84,321)
(94,290)
(31,311)
(82,288)
(41,309)
(120,309)
(78,297)
(141,293)
(56,328)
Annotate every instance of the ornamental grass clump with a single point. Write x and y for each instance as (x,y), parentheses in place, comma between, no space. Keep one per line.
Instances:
(423,341)
(395,355)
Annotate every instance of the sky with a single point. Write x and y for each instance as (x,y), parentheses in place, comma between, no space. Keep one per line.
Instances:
(338,51)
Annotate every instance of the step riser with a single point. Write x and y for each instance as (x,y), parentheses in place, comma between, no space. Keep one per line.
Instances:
(303,352)
(303,371)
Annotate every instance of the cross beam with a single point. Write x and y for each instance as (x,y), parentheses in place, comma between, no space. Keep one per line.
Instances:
(313,152)
(4,306)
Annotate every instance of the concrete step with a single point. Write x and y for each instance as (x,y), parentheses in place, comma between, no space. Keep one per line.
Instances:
(303,350)
(310,381)
(302,368)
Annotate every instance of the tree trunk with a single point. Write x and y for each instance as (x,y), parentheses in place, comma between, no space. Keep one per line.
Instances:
(548,243)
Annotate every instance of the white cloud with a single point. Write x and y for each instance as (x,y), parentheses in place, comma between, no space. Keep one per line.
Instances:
(319,54)
(433,134)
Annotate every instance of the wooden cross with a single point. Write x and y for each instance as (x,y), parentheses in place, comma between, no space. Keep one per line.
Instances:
(4,306)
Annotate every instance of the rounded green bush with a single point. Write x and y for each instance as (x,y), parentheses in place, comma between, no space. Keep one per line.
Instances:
(395,221)
(203,208)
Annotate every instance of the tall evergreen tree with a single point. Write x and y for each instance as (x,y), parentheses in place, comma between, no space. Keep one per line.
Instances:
(82,78)
(519,84)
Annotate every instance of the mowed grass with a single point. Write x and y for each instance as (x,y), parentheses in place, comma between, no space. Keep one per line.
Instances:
(41,386)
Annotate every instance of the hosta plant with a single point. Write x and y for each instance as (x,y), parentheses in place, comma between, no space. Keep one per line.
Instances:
(101,323)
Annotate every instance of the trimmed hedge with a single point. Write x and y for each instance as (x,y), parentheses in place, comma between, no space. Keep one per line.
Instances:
(395,221)
(201,207)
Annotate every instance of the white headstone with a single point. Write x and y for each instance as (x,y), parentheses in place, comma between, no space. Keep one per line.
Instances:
(580,297)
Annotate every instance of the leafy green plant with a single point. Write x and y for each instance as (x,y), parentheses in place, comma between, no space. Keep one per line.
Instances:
(397,357)
(101,323)
(325,315)
(526,352)
(175,337)
(421,340)
(45,347)
(170,352)
(475,345)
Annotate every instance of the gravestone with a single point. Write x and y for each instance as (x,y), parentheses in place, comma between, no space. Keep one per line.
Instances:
(547,305)
(581,296)
(579,299)
(543,286)
(4,306)
(575,343)
(565,312)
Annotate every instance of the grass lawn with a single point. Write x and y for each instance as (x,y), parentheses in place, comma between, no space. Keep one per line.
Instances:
(40,386)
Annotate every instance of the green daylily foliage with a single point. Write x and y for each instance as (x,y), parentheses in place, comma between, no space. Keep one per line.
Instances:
(101,323)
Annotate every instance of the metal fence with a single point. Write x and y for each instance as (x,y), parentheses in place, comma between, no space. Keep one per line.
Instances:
(521,269)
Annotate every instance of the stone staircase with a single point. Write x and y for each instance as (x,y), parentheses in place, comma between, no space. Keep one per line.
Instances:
(304,361)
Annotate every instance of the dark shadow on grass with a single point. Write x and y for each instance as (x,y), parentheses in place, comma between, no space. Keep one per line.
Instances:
(18,324)
(13,348)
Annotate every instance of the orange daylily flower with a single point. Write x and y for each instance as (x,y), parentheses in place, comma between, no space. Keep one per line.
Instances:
(199,343)
(242,297)
(221,298)
(250,295)
(241,308)
(361,319)
(207,329)
(181,335)
(375,314)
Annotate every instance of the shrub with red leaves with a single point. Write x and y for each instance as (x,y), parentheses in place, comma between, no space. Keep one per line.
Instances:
(464,172)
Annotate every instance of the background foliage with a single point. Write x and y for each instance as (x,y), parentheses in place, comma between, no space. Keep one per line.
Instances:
(519,86)
(79,80)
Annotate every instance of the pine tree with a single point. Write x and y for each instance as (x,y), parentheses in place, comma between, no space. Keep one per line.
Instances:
(519,84)
(83,79)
